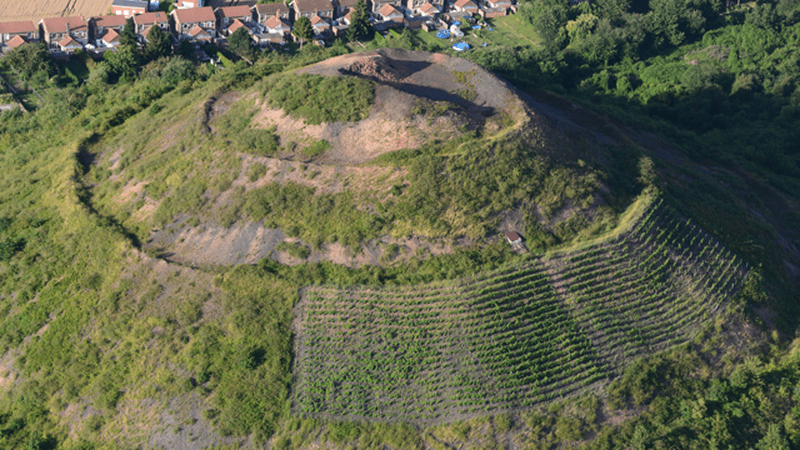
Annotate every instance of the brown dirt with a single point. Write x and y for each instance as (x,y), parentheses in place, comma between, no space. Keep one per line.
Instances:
(389,127)
(422,74)
(249,242)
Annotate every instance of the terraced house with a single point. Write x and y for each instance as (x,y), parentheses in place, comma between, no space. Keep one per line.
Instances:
(103,24)
(416,6)
(227,15)
(145,22)
(64,33)
(390,13)
(194,24)
(25,30)
(467,6)
(263,11)
(311,8)
(342,7)
(377,5)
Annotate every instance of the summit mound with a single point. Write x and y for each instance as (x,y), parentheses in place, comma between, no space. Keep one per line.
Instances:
(370,158)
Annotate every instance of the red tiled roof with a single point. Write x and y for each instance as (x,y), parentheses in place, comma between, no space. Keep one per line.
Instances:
(317,19)
(313,5)
(466,4)
(110,21)
(234,11)
(16,41)
(59,24)
(270,9)
(388,10)
(236,25)
(18,27)
(151,18)
(111,36)
(274,22)
(512,236)
(429,8)
(146,31)
(190,15)
(68,42)
(196,31)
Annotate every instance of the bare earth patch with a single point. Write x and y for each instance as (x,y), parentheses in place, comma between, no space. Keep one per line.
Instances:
(389,127)
(7,376)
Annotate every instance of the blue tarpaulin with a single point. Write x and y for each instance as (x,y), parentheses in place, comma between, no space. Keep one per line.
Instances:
(443,34)
(461,46)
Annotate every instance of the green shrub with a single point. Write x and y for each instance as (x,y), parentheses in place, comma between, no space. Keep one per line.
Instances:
(299,251)
(316,149)
(320,99)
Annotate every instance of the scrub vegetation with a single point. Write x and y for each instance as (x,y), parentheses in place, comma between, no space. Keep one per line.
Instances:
(655,307)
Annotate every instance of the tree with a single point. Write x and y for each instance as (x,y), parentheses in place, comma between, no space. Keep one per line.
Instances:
(124,62)
(359,25)
(303,29)
(158,44)
(177,70)
(241,43)
(128,36)
(185,50)
(30,60)
(612,9)
(548,17)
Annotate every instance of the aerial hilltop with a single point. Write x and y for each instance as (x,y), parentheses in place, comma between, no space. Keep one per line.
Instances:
(580,235)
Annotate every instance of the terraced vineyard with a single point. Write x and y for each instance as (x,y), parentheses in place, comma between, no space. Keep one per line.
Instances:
(513,338)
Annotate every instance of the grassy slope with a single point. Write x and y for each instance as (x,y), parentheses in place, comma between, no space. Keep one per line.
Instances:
(112,332)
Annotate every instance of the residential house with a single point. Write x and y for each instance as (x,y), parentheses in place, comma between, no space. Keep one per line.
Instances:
(264,11)
(416,5)
(226,16)
(15,42)
(200,34)
(276,25)
(342,24)
(389,13)
(342,7)
(427,10)
(55,32)
(195,23)
(69,45)
(25,29)
(110,38)
(187,4)
(275,29)
(497,4)
(494,8)
(236,24)
(467,6)
(320,25)
(144,22)
(311,8)
(100,25)
(377,5)
(128,8)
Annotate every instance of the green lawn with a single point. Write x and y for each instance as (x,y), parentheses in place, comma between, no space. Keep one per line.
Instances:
(507,31)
